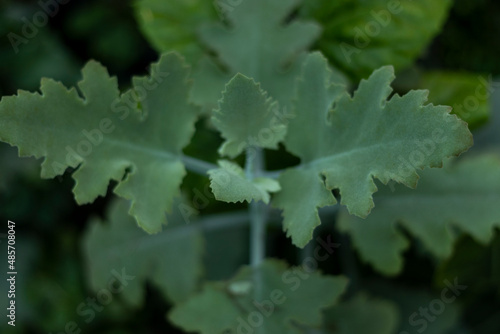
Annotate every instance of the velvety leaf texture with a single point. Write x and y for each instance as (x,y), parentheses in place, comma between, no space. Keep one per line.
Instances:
(285,299)
(259,45)
(121,249)
(363,137)
(135,139)
(463,195)
(229,184)
(247,118)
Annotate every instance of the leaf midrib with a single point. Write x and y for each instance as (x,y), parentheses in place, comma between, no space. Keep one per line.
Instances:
(316,163)
(144,149)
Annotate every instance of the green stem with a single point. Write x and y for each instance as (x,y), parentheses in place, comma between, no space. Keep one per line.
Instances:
(257,233)
(207,223)
(201,167)
(197,166)
(254,168)
(254,163)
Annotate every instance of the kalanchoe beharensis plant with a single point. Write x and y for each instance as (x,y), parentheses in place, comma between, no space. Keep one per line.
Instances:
(260,89)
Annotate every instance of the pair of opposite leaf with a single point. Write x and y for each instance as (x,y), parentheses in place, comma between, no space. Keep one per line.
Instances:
(343,142)
(137,138)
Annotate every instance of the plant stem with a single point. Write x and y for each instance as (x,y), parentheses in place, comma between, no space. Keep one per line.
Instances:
(257,211)
(207,223)
(257,233)
(258,215)
(196,165)
(201,167)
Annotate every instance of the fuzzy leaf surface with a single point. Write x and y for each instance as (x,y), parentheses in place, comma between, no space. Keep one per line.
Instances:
(259,45)
(120,246)
(362,138)
(464,196)
(229,184)
(226,306)
(245,118)
(106,134)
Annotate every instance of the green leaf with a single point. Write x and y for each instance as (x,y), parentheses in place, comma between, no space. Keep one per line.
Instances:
(229,184)
(247,118)
(465,92)
(362,315)
(119,246)
(135,139)
(172,25)
(363,137)
(301,196)
(259,45)
(361,36)
(463,195)
(287,297)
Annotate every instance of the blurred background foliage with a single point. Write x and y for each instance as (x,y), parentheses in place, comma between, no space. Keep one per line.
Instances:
(444,46)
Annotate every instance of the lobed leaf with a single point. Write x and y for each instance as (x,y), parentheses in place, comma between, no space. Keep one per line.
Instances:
(363,137)
(285,299)
(258,44)
(247,118)
(229,184)
(135,139)
(121,249)
(463,195)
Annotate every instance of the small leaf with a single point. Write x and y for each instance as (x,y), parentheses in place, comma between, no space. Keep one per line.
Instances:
(363,137)
(246,118)
(135,139)
(305,193)
(121,245)
(464,194)
(229,184)
(286,299)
